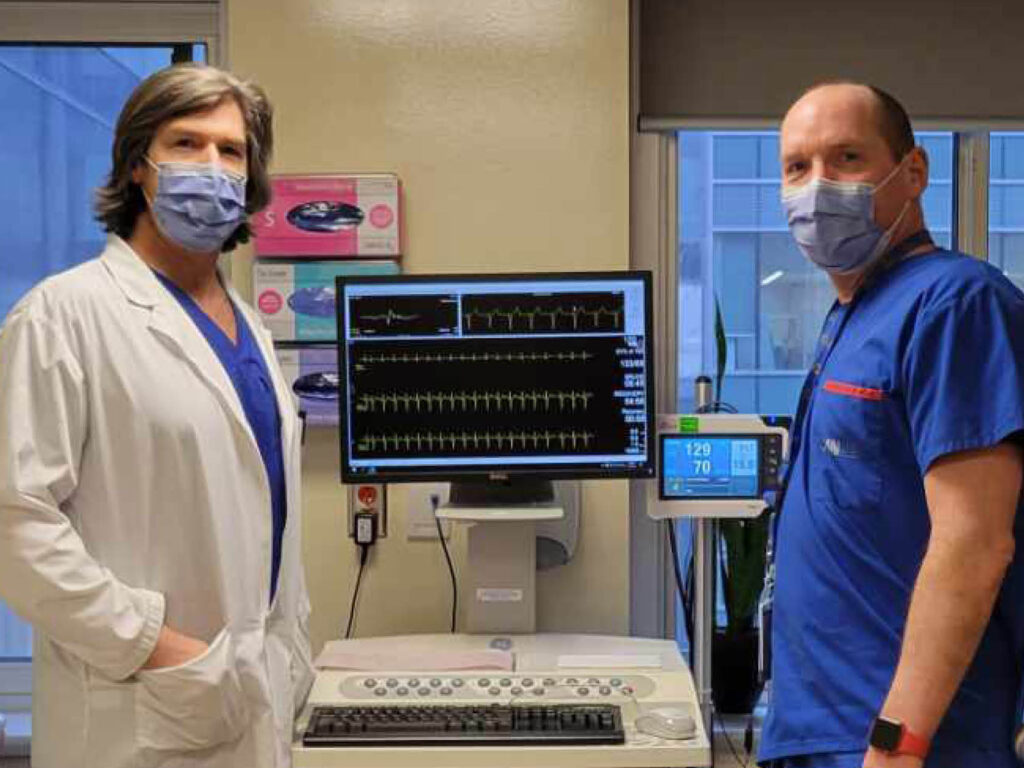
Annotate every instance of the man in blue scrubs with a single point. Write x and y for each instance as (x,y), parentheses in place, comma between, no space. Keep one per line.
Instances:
(898,633)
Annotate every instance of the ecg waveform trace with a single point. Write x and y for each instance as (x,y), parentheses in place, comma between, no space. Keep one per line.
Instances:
(560,313)
(571,356)
(451,401)
(390,317)
(408,315)
(586,384)
(483,440)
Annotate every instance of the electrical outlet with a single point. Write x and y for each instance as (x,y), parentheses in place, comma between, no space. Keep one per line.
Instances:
(419,522)
(372,498)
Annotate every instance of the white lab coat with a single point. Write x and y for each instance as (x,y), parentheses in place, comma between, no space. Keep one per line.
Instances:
(132,494)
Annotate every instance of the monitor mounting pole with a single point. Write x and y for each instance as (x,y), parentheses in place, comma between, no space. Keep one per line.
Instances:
(703,586)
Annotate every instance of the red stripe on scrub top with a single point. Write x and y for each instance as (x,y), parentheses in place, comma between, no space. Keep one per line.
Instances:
(852,390)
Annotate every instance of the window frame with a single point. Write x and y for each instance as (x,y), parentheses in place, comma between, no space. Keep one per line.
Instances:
(136,22)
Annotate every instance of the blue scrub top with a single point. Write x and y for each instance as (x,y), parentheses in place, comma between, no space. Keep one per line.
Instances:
(248,372)
(927,361)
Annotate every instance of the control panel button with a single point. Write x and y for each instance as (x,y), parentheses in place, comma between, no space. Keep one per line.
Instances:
(593,681)
(549,682)
(423,691)
(505,682)
(403,691)
(380,691)
(494,691)
(457,683)
(527,682)
(435,682)
(615,682)
(370,683)
(391,683)
(516,691)
(446,691)
(414,682)
(606,690)
(483,682)
(571,681)
(583,691)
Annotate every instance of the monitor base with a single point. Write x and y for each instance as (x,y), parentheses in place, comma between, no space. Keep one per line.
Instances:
(517,492)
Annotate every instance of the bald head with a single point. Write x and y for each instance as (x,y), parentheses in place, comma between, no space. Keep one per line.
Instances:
(891,119)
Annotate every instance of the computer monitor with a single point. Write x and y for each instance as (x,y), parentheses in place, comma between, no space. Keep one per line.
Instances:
(495,378)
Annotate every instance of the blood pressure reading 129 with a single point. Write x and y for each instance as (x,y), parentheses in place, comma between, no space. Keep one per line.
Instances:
(709,467)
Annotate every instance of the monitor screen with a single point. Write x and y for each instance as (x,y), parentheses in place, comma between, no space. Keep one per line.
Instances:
(711,467)
(461,377)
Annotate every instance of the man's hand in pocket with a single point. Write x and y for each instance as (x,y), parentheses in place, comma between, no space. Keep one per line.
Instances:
(174,649)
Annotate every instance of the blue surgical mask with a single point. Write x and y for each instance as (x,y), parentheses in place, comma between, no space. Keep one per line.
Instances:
(833,222)
(197,205)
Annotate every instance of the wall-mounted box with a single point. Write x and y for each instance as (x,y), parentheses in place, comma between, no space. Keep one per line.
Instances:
(312,374)
(356,215)
(296,300)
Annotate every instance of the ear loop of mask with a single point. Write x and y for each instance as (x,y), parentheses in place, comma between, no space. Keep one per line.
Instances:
(892,173)
(906,205)
(142,187)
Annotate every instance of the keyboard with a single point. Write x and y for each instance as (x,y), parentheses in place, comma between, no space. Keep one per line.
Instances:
(474,726)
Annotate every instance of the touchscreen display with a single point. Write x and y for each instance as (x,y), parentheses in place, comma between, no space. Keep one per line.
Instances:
(695,466)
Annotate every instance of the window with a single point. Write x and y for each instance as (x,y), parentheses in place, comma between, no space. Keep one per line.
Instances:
(1006,204)
(57,117)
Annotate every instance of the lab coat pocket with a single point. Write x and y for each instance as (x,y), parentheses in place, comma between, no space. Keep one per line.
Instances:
(194,706)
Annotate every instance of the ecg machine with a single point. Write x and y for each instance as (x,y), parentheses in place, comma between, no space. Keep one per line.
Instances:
(538,673)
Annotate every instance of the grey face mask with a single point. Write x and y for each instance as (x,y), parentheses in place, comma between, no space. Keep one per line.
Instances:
(833,222)
(197,205)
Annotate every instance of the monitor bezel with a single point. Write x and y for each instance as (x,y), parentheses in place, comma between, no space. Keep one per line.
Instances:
(496,473)
(762,442)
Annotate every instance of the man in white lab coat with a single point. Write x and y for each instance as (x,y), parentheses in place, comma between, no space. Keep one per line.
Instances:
(149,461)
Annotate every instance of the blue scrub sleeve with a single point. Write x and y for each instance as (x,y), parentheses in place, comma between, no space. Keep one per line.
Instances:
(964,373)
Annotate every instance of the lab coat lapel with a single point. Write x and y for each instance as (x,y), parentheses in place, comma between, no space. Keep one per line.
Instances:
(173,327)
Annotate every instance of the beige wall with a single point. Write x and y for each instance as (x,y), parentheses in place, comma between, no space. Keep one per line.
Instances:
(507,121)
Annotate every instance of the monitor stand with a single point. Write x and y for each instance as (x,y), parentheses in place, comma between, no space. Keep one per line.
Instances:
(499,586)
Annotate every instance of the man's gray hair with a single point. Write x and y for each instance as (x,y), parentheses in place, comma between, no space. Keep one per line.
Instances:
(176,91)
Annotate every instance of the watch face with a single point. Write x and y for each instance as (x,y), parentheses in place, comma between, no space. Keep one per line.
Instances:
(886,734)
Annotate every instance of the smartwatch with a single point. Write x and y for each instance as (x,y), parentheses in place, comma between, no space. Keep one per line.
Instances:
(894,738)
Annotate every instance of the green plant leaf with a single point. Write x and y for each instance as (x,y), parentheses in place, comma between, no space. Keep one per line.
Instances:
(722,349)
